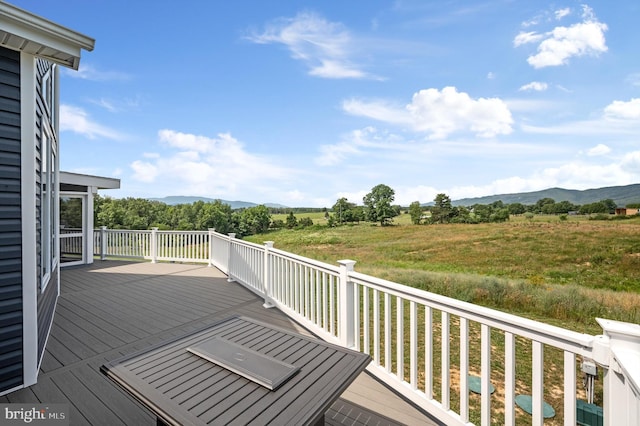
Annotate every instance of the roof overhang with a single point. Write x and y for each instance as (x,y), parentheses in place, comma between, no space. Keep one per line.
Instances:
(23,31)
(99,182)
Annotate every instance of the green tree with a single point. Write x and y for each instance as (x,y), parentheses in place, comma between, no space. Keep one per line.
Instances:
(343,211)
(415,211)
(442,211)
(516,208)
(378,206)
(254,220)
(292,222)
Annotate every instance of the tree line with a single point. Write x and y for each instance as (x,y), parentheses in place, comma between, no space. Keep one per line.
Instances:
(377,207)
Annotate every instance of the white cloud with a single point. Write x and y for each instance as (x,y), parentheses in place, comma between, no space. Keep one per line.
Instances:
(357,143)
(527,37)
(561,13)
(623,110)
(491,75)
(600,149)
(326,47)
(77,120)
(144,171)
(563,43)
(440,113)
(207,166)
(631,162)
(633,79)
(534,86)
(89,72)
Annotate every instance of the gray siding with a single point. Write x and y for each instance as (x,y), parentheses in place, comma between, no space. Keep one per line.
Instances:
(11,364)
(46,299)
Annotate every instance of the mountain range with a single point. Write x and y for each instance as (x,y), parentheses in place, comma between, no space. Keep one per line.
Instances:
(621,195)
(182,199)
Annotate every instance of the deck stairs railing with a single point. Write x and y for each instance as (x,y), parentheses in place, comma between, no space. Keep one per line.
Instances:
(432,349)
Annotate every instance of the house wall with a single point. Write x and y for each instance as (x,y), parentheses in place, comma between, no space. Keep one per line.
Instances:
(11,312)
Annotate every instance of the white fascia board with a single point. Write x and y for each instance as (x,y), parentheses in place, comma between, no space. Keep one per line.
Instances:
(22,30)
(88,180)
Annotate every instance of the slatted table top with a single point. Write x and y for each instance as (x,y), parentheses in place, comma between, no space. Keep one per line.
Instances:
(183,388)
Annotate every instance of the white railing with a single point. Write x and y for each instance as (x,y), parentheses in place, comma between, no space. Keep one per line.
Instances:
(154,245)
(428,347)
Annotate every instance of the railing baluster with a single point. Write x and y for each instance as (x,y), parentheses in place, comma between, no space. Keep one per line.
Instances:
(464,369)
(356,320)
(445,361)
(537,383)
(569,388)
(376,326)
(509,379)
(365,320)
(400,338)
(428,352)
(413,355)
(387,332)
(485,373)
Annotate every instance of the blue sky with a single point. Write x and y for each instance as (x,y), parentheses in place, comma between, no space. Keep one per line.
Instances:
(303,102)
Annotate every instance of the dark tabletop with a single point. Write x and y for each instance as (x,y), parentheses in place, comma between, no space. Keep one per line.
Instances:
(183,388)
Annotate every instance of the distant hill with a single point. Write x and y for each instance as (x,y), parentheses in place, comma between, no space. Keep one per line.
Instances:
(621,195)
(182,199)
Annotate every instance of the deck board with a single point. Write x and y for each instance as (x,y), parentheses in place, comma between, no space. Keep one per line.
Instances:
(114,308)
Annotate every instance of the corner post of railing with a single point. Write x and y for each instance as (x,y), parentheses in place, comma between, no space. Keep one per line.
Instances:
(103,242)
(211,232)
(230,279)
(619,353)
(346,317)
(266,278)
(154,245)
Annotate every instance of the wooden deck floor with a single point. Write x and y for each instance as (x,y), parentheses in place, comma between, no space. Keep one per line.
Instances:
(112,308)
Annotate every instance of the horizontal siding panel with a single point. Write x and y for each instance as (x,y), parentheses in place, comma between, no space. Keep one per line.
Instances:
(9,212)
(9,77)
(10,225)
(10,350)
(8,146)
(11,318)
(10,61)
(9,132)
(10,291)
(10,265)
(9,105)
(9,185)
(8,172)
(10,118)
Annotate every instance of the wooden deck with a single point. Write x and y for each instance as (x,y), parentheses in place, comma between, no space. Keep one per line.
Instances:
(111,308)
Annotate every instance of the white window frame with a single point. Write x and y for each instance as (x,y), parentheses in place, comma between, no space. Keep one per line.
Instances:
(49,193)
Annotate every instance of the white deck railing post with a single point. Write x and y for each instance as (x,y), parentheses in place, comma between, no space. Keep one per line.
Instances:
(212,231)
(346,322)
(154,245)
(230,279)
(103,242)
(622,377)
(266,278)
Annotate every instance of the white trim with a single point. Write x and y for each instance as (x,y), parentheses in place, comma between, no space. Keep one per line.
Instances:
(88,180)
(28,185)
